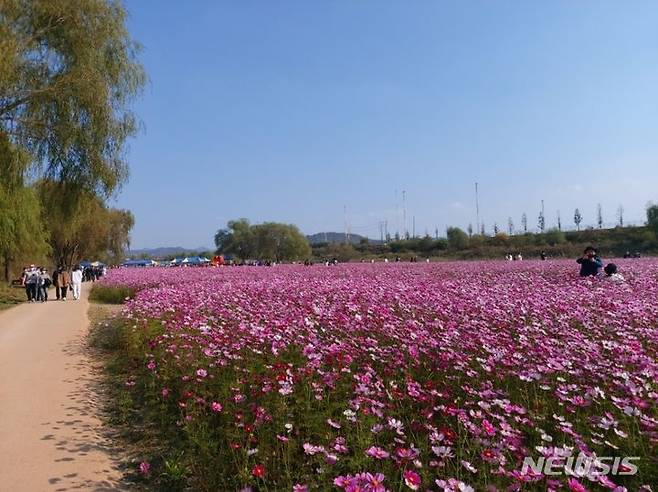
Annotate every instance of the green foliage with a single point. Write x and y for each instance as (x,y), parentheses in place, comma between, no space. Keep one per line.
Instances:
(10,296)
(341,251)
(110,295)
(68,73)
(554,236)
(425,246)
(457,239)
(577,218)
(652,218)
(22,235)
(80,225)
(268,241)
(556,243)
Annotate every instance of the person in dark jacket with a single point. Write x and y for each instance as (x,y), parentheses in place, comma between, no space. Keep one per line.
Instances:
(590,263)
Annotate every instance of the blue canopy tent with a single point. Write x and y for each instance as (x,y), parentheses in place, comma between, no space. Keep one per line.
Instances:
(196,260)
(87,264)
(138,263)
(190,260)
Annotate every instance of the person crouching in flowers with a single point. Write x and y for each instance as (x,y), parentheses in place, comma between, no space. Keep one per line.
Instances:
(590,263)
(611,273)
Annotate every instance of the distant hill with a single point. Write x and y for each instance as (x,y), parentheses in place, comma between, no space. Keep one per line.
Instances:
(336,237)
(166,251)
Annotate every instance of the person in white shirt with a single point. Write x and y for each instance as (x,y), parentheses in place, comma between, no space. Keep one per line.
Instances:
(611,273)
(76,281)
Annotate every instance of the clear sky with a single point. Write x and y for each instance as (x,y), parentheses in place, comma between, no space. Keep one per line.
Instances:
(292,110)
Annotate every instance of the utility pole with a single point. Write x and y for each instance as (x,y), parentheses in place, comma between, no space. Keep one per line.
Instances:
(477,208)
(345,223)
(413,219)
(404,214)
(397,214)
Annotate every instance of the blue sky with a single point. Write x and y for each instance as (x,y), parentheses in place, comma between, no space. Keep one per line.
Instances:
(292,110)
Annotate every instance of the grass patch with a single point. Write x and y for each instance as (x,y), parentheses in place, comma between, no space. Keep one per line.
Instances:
(107,343)
(110,295)
(10,296)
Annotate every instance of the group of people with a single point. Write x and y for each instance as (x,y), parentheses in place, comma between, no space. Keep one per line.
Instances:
(93,273)
(591,265)
(516,257)
(37,281)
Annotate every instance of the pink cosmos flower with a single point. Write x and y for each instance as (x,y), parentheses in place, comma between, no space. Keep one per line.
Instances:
(453,485)
(442,451)
(330,459)
(411,479)
(202,373)
(377,453)
(144,467)
(488,428)
(341,481)
(310,449)
(216,407)
(375,482)
(575,485)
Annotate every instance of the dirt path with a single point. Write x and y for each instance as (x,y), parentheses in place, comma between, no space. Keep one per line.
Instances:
(51,438)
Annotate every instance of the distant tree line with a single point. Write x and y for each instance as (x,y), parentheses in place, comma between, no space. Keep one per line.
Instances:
(465,244)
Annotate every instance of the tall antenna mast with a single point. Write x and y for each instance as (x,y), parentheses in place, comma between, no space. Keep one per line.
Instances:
(404,214)
(345,222)
(397,214)
(477,210)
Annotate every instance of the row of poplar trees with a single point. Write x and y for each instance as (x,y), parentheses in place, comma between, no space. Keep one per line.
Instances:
(68,76)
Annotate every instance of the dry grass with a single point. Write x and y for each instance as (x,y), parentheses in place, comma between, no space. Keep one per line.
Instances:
(10,296)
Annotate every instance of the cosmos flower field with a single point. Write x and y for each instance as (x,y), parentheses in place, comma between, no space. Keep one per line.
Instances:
(374,377)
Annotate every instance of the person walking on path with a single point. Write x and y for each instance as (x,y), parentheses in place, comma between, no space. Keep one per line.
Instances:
(24,276)
(76,281)
(32,283)
(44,284)
(56,282)
(63,281)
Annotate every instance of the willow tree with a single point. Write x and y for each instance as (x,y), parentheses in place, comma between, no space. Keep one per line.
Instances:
(83,228)
(68,74)
(22,235)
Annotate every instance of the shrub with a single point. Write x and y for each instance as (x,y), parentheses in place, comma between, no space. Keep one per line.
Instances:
(111,294)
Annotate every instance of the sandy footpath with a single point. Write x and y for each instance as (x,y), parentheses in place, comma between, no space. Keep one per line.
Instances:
(51,437)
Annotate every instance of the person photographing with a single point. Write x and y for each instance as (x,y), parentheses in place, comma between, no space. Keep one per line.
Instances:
(590,263)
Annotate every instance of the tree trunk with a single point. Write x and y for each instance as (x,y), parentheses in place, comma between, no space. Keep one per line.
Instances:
(6,258)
